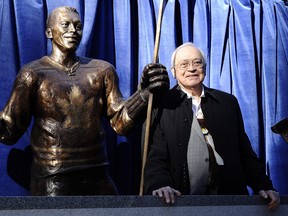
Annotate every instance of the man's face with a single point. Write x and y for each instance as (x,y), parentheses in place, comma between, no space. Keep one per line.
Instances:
(66,30)
(189,68)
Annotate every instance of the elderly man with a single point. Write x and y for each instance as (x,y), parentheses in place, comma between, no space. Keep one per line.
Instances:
(199,145)
(67,95)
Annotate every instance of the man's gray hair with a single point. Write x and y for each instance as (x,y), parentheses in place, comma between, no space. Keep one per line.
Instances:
(173,57)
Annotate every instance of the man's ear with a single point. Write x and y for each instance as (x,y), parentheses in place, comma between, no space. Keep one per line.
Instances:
(48,33)
(173,71)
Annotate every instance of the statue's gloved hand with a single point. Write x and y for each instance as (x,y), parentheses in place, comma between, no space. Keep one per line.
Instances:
(154,79)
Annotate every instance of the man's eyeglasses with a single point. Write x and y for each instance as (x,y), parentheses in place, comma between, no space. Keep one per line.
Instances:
(196,63)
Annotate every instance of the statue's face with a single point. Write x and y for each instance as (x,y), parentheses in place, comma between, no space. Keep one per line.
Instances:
(66,30)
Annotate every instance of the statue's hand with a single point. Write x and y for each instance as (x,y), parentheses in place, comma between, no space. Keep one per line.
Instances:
(154,79)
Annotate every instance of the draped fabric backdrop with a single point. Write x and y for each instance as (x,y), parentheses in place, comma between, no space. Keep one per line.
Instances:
(246,46)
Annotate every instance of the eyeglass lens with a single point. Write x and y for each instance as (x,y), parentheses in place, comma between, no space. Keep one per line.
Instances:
(196,63)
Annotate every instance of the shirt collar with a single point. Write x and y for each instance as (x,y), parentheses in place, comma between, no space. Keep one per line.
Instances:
(189,95)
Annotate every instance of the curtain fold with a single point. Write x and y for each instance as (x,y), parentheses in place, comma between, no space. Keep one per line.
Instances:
(30,39)
(246,47)
(243,66)
(9,66)
(125,55)
(219,64)
(274,69)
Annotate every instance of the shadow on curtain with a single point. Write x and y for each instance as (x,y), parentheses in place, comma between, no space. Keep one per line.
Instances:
(246,47)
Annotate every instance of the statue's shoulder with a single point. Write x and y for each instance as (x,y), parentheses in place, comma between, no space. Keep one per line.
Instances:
(32,64)
(36,65)
(29,73)
(90,62)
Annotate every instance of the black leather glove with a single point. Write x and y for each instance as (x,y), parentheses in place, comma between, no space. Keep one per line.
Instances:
(154,79)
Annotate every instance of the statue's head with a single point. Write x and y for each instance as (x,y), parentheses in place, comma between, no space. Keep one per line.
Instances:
(64,28)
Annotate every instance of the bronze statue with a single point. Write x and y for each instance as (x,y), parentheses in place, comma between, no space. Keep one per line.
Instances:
(67,95)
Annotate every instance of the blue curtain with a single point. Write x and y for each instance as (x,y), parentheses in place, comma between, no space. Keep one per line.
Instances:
(246,46)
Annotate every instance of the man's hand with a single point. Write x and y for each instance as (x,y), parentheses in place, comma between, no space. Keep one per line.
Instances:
(273,195)
(154,79)
(167,193)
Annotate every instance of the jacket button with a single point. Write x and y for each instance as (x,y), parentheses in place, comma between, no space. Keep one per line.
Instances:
(179,144)
(185,119)
(207,159)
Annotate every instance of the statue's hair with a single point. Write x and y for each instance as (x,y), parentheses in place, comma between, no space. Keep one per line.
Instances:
(56,10)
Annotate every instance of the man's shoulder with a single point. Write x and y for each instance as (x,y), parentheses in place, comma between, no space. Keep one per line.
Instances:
(220,96)
(218,93)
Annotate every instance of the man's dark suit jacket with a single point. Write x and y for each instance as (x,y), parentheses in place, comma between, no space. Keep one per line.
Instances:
(167,158)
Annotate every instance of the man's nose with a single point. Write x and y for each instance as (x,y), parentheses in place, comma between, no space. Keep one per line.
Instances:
(191,67)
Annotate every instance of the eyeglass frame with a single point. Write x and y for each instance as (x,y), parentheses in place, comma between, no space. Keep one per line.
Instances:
(190,62)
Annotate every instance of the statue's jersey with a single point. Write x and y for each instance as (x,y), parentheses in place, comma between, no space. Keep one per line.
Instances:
(67,106)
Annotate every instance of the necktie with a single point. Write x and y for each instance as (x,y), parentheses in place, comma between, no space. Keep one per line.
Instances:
(214,159)
(209,141)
